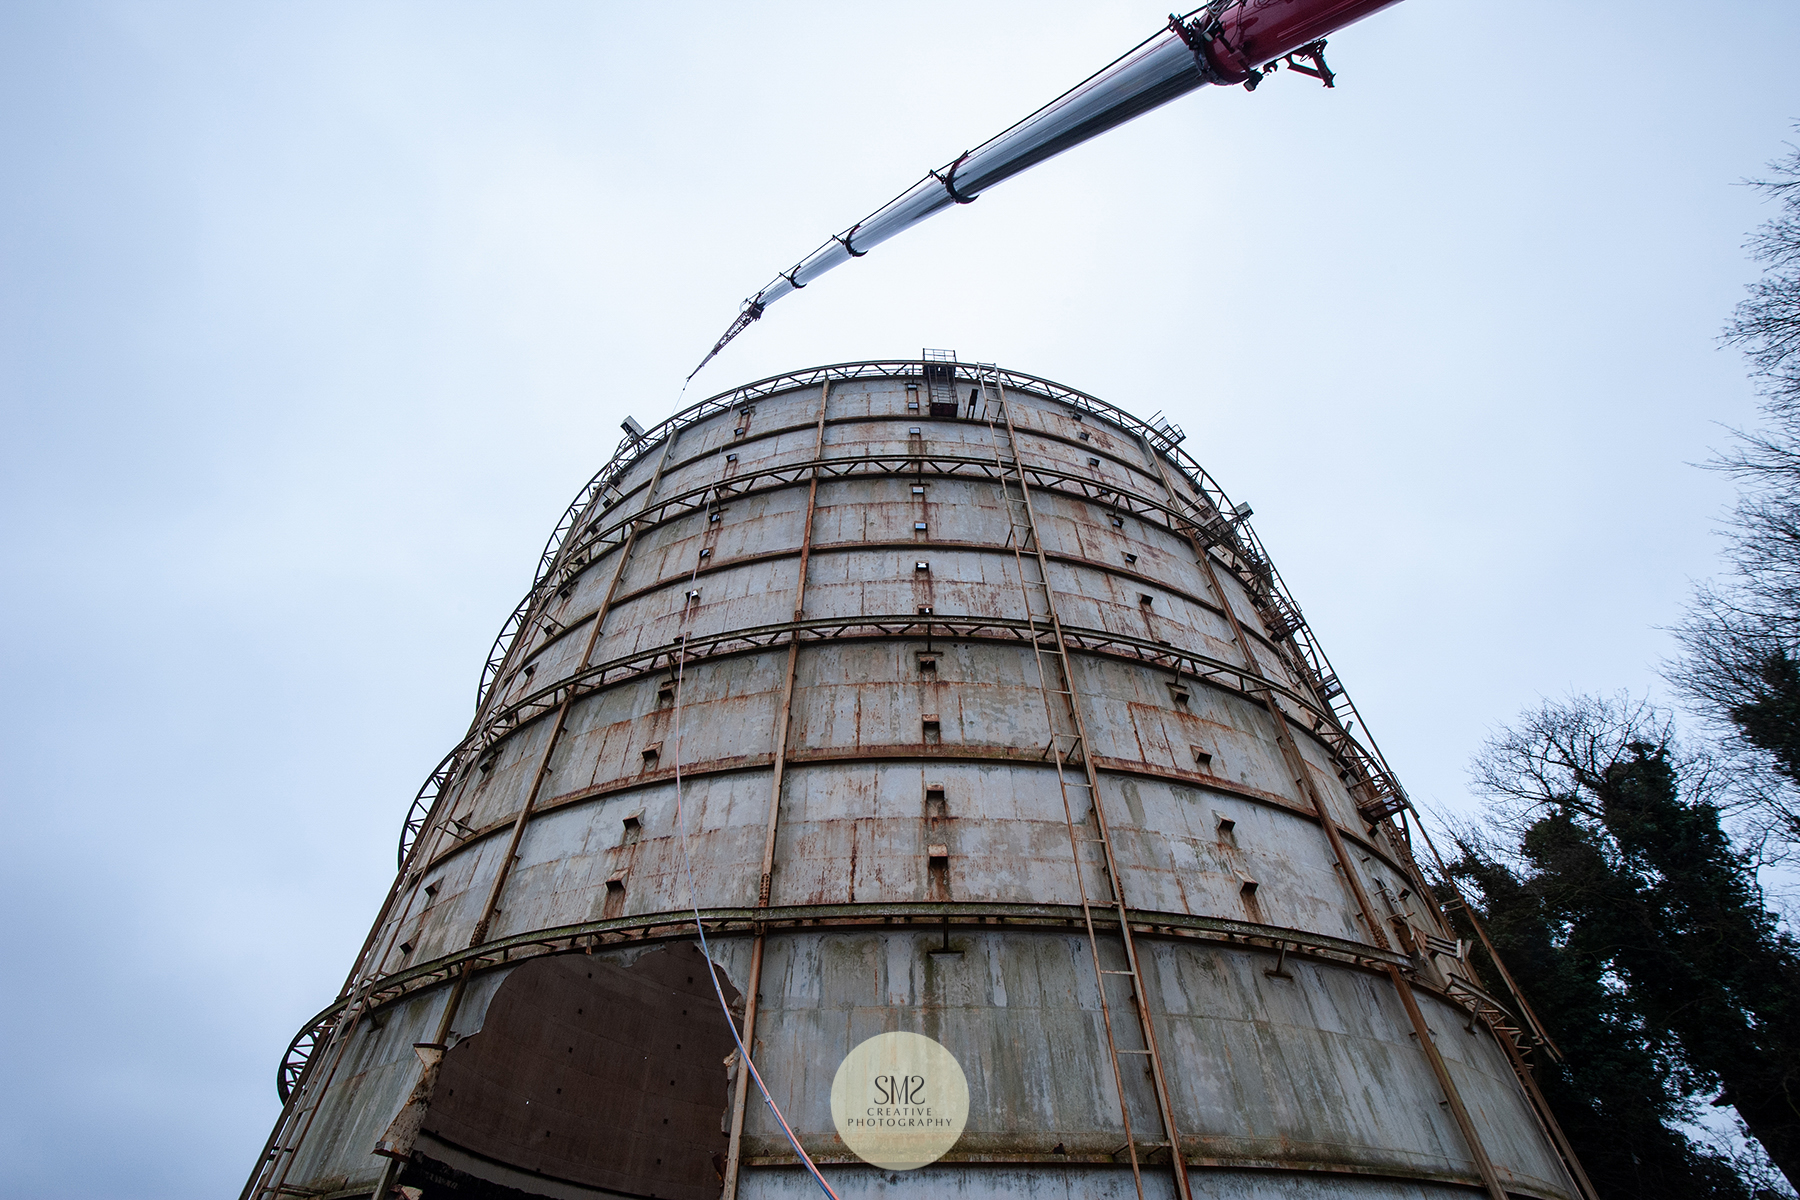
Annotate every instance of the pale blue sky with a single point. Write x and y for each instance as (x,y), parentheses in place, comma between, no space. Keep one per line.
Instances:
(316,315)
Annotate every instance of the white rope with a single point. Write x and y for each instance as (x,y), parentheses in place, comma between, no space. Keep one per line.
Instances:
(687,865)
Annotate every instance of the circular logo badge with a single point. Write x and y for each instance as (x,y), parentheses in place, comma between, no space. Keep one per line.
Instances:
(900,1101)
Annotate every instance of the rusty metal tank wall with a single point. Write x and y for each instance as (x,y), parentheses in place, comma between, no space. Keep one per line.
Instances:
(887,722)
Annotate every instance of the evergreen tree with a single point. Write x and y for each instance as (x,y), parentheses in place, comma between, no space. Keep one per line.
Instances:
(1740,639)
(1621,848)
(1768,710)
(1617,1096)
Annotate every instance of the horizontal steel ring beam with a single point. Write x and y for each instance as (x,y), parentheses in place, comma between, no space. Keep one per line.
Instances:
(587,549)
(910,753)
(631,447)
(547,699)
(743,921)
(715,566)
(1244,556)
(1119,645)
(710,495)
(1250,564)
(1256,559)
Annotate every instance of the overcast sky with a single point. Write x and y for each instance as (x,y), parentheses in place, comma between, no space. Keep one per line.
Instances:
(313,317)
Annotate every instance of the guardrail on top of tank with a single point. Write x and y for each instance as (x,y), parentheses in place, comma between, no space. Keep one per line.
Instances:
(633,446)
(1226,531)
(1252,562)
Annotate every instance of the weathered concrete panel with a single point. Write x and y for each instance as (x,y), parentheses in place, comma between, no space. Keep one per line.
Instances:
(919,799)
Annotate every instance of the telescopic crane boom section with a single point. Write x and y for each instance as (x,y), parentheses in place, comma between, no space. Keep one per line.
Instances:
(1224,42)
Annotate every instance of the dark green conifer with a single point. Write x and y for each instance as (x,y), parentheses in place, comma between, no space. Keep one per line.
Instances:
(1618,1098)
(1642,927)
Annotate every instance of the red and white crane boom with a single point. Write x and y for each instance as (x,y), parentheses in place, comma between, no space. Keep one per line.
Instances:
(1223,42)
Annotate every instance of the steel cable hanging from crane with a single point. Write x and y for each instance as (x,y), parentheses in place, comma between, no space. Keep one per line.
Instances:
(1224,42)
(687,867)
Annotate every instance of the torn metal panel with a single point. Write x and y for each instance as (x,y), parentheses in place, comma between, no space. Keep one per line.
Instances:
(926,859)
(591,1074)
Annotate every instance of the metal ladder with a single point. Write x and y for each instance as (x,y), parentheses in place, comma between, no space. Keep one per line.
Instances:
(1079,784)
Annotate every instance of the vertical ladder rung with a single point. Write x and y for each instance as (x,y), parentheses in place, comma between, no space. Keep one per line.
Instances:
(1067,750)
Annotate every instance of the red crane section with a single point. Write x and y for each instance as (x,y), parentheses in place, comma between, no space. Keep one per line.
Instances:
(1227,41)
(1239,39)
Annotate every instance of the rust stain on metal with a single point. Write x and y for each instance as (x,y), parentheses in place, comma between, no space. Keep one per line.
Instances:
(594,1074)
(1115,855)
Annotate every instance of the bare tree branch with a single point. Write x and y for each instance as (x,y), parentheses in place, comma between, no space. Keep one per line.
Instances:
(1766,325)
(1740,638)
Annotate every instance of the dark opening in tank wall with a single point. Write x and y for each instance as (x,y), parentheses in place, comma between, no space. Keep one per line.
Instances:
(587,1078)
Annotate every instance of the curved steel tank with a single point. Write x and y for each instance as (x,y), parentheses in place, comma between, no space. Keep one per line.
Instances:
(996,726)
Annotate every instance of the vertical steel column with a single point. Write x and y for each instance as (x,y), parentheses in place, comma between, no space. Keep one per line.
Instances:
(1346,863)
(1540,1108)
(504,871)
(1048,643)
(332,1051)
(1521,1068)
(733,1158)
(328,1054)
(421,1092)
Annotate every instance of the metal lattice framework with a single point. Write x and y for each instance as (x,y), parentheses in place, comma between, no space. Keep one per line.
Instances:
(1311,698)
(584,533)
(561,554)
(725,922)
(659,660)
(587,531)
